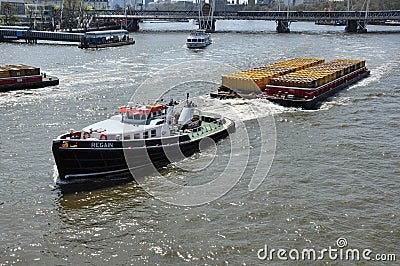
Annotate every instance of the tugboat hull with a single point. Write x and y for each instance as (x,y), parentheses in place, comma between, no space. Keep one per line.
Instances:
(82,160)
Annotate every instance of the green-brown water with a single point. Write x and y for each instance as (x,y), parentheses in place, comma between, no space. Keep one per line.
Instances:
(335,171)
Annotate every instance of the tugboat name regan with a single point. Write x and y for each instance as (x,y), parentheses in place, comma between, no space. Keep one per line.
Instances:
(102,145)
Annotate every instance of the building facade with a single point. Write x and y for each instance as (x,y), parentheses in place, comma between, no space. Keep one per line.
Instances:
(96,4)
(17,7)
(20,7)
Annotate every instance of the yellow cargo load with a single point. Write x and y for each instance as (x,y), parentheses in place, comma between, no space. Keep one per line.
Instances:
(297,72)
(318,75)
(15,71)
(4,73)
(18,70)
(29,70)
(254,80)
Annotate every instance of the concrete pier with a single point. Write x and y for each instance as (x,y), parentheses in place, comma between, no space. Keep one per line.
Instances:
(282,26)
(32,36)
(209,26)
(356,26)
(132,25)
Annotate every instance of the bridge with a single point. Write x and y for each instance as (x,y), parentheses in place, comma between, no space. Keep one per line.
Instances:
(356,20)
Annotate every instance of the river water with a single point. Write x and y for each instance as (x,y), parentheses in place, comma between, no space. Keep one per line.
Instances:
(334,172)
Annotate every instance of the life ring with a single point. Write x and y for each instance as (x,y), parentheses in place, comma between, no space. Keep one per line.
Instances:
(103,137)
(86,135)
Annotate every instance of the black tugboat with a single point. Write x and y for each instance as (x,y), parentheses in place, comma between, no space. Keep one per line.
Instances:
(139,140)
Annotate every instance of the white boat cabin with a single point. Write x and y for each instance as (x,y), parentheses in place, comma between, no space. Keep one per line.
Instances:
(144,122)
(198,39)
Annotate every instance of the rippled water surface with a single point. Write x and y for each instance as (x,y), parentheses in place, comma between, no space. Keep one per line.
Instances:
(335,170)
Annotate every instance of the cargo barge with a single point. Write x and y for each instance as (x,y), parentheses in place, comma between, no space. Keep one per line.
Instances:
(251,83)
(299,82)
(310,87)
(18,77)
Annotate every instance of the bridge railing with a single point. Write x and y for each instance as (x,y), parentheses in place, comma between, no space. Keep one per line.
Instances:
(257,15)
(316,15)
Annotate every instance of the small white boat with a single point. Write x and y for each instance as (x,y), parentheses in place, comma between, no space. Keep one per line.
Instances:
(198,39)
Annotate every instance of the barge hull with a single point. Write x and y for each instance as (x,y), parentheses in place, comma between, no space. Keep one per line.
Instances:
(105,45)
(48,81)
(317,100)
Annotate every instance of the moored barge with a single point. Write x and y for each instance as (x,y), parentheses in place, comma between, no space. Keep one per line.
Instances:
(299,82)
(18,77)
(103,39)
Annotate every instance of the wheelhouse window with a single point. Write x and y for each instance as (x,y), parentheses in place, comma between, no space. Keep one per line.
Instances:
(136,117)
(146,135)
(136,136)
(153,133)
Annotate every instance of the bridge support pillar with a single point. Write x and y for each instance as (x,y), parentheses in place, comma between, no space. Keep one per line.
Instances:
(282,26)
(356,26)
(132,25)
(209,26)
(362,27)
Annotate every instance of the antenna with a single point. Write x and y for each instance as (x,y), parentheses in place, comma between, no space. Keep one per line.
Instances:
(366,11)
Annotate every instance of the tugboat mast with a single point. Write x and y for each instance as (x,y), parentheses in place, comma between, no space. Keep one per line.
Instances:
(366,11)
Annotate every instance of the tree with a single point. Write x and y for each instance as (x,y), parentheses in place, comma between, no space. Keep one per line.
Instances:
(56,17)
(9,12)
(355,5)
(71,11)
(30,10)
